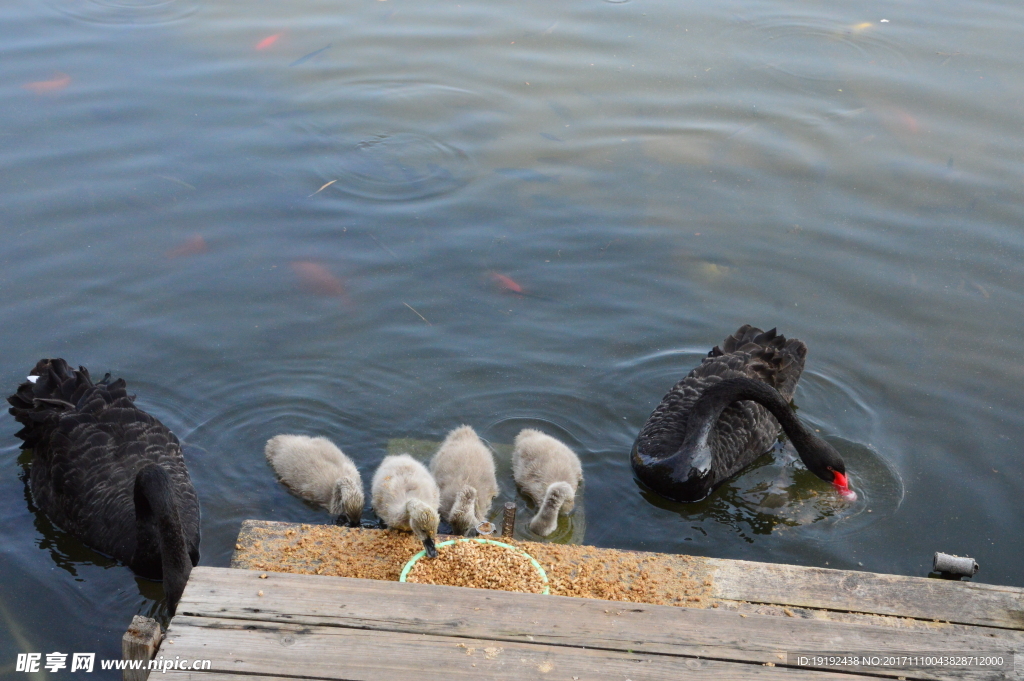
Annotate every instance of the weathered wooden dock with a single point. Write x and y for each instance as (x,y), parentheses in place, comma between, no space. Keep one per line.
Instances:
(731,619)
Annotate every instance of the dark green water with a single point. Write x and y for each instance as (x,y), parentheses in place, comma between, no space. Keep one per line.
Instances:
(652,174)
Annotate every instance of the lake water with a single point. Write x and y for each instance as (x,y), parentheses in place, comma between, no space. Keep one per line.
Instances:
(309,217)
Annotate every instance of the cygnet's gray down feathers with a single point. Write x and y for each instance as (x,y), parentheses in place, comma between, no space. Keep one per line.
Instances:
(316,470)
(464,470)
(406,497)
(549,473)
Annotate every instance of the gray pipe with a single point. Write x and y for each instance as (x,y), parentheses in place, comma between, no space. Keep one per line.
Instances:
(955,565)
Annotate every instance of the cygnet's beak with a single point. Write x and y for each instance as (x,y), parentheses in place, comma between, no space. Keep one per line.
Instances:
(428,545)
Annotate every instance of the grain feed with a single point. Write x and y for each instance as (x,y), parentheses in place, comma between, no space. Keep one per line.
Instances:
(572,570)
(480,566)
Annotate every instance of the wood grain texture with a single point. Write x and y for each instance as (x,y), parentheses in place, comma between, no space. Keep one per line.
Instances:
(848,590)
(247,598)
(140,643)
(852,595)
(274,649)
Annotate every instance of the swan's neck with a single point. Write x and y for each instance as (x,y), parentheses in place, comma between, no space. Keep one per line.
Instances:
(423,523)
(716,398)
(347,502)
(422,518)
(696,467)
(159,529)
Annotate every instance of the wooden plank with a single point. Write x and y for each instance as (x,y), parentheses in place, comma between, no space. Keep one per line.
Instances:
(314,652)
(590,623)
(848,590)
(227,676)
(824,617)
(681,580)
(140,643)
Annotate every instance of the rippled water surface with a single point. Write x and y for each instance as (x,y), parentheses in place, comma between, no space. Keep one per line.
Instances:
(312,217)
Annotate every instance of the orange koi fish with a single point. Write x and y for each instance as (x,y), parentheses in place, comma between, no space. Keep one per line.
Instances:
(268,41)
(908,122)
(193,246)
(897,120)
(42,87)
(316,278)
(506,283)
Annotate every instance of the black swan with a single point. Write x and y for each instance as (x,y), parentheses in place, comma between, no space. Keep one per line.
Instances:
(726,413)
(109,473)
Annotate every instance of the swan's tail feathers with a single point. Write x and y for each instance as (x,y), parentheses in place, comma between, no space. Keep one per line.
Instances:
(462,516)
(52,390)
(775,359)
(159,533)
(748,334)
(557,496)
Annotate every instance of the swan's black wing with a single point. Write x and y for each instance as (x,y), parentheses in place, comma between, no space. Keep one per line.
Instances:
(745,430)
(770,357)
(88,441)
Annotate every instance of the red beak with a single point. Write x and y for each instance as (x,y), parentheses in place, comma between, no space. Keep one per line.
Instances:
(842,486)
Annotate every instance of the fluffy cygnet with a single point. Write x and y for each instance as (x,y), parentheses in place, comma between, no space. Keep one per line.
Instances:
(406,497)
(464,470)
(549,472)
(316,470)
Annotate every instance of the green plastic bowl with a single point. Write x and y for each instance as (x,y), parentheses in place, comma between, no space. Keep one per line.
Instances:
(533,561)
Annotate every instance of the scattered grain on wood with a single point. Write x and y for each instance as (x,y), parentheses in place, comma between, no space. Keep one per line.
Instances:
(572,570)
(590,572)
(329,550)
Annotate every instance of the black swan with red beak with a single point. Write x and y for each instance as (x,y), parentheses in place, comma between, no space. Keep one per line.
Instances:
(109,473)
(725,414)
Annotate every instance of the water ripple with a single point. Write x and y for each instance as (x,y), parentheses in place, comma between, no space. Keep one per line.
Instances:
(410,99)
(126,12)
(814,48)
(403,166)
